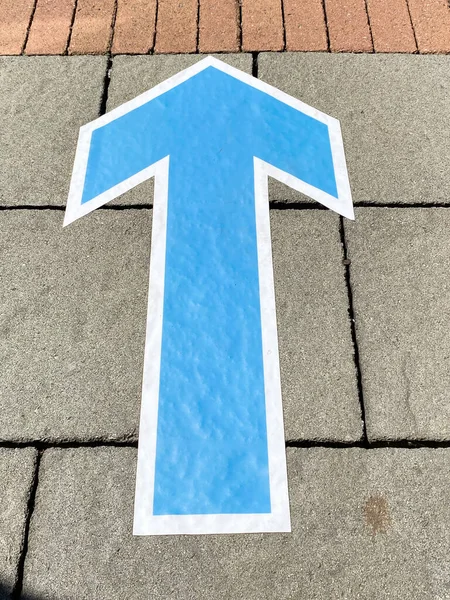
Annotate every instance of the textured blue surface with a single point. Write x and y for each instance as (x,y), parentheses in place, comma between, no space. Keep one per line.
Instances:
(211,455)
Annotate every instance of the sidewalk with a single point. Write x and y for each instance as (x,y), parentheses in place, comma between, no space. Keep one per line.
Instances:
(363,317)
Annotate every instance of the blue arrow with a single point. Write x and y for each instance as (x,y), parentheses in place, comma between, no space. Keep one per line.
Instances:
(209,467)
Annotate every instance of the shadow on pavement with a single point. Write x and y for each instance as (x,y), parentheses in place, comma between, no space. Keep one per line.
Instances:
(5,594)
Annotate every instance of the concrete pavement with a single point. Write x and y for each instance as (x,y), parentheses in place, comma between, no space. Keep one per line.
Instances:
(366,524)
(363,318)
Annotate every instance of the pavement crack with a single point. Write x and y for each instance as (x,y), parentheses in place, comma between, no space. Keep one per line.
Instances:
(197,42)
(351,314)
(30,22)
(369,24)
(324,8)
(113,27)
(412,24)
(283,24)
(255,64)
(152,49)
(72,21)
(18,584)
(240,24)
(106,82)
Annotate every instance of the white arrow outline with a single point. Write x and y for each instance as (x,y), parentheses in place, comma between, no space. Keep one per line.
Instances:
(145,523)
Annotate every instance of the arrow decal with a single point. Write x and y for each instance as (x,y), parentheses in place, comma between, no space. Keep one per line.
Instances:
(211,455)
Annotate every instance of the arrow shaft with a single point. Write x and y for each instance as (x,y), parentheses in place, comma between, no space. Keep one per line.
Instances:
(211,452)
(204,425)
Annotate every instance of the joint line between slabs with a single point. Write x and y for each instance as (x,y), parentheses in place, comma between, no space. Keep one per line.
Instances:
(301,443)
(255,56)
(106,82)
(72,444)
(327,31)
(367,445)
(72,21)
(412,24)
(369,24)
(30,22)
(283,24)
(113,26)
(152,49)
(18,584)
(197,41)
(351,314)
(273,205)
(240,23)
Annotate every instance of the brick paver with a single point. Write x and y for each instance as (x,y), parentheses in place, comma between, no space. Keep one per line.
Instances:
(92,32)
(185,26)
(49,32)
(391,26)
(15,17)
(134,27)
(431,20)
(262,25)
(176,28)
(348,26)
(305,25)
(219,26)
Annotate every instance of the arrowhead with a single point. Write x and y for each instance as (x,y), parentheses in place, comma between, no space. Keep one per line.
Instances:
(291,141)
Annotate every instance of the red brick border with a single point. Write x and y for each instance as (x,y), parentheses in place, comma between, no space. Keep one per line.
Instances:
(15,17)
(391,26)
(219,26)
(134,30)
(49,31)
(91,33)
(305,25)
(172,26)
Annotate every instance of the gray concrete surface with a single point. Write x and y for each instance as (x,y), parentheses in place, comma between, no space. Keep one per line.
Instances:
(133,75)
(365,524)
(395,117)
(73,325)
(400,275)
(44,102)
(16,473)
(318,376)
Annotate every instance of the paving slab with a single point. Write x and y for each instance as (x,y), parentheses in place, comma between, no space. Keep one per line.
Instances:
(394,112)
(365,524)
(133,75)
(73,307)
(16,474)
(318,377)
(400,274)
(45,100)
